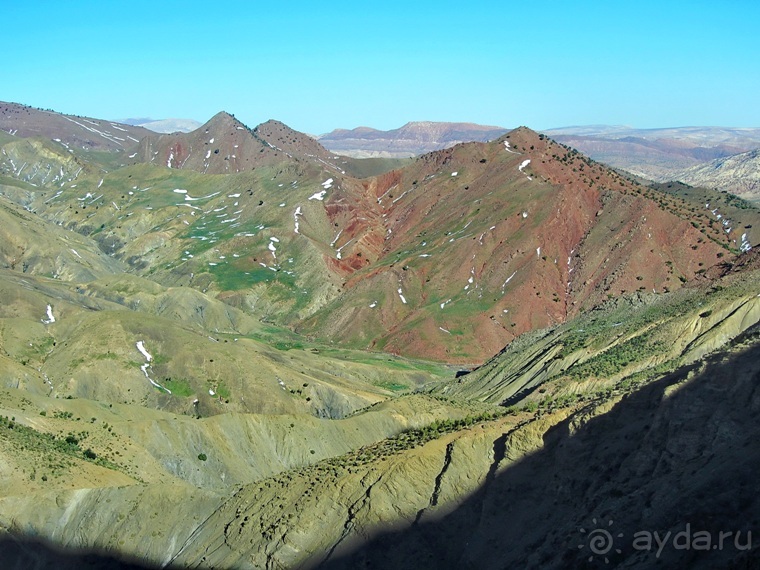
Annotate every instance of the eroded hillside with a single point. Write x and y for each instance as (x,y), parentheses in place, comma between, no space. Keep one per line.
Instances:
(448,494)
(449,258)
(205,358)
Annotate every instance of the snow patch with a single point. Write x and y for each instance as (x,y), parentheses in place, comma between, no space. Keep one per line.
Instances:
(523,164)
(508,148)
(508,280)
(141,347)
(295,217)
(745,246)
(339,255)
(50,318)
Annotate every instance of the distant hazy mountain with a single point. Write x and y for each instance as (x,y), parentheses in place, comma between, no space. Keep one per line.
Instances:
(412,139)
(657,154)
(703,136)
(165,125)
(738,174)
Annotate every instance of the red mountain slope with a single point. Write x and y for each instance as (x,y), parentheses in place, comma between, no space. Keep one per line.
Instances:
(482,242)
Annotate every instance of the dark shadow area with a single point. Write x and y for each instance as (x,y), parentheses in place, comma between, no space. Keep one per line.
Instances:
(21,553)
(679,457)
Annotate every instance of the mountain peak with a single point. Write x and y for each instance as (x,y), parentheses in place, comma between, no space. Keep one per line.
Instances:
(274,123)
(280,136)
(223,115)
(222,119)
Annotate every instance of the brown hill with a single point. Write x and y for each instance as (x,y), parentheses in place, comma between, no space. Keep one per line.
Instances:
(482,242)
(224,145)
(283,138)
(69,130)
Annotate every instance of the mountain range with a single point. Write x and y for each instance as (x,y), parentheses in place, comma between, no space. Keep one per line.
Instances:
(165,126)
(666,154)
(412,139)
(449,257)
(719,157)
(235,348)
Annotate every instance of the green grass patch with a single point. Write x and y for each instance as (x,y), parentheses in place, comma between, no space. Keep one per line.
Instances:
(106,356)
(287,345)
(179,387)
(233,277)
(223,391)
(384,360)
(366,167)
(159,359)
(393,386)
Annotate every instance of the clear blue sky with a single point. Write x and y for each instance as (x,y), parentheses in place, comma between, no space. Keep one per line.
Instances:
(321,65)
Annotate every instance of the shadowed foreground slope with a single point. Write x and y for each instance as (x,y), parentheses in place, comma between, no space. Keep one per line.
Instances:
(21,553)
(681,451)
(510,492)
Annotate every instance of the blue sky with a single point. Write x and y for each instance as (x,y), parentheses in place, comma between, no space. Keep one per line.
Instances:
(322,65)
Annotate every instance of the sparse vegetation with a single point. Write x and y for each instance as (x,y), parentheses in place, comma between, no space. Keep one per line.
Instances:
(179,387)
